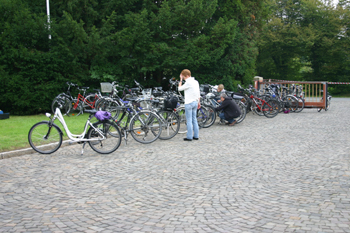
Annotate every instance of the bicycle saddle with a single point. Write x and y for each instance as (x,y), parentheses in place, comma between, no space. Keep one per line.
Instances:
(92,111)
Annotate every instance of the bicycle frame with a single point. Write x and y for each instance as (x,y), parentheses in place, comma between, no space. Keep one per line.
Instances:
(83,99)
(74,137)
(257,104)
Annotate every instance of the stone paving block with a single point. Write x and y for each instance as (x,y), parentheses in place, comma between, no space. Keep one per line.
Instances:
(285,174)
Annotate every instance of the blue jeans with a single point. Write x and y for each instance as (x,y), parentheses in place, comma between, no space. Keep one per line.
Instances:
(222,116)
(191,120)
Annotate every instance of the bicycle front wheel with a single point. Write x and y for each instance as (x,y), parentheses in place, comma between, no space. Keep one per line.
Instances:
(45,139)
(145,127)
(202,116)
(294,103)
(182,115)
(301,104)
(211,116)
(243,112)
(270,108)
(256,109)
(110,142)
(170,124)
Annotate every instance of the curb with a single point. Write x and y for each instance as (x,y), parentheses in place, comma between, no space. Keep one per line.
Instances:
(15,153)
(26,151)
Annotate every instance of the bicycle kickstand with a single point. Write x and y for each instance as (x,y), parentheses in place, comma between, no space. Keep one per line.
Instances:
(126,137)
(82,150)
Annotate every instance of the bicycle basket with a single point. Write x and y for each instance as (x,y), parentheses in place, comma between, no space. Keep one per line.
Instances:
(204,88)
(170,103)
(106,87)
(147,93)
(156,93)
(103,115)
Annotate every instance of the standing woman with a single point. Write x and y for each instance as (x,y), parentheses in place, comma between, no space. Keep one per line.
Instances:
(192,103)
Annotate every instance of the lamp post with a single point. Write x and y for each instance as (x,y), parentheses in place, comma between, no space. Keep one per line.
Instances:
(48,16)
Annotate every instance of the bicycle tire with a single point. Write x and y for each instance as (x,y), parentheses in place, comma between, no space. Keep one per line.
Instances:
(256,110)
(212,116)
(43,139)
(91,98)
(170,124)
(202,116)
(65,104)
(144,125)
(243,112)
(112,136)
(294,103)
(270,108)
(328,104)
(301,104)
(182,114)
(109,105)
(280,105)
(78,110)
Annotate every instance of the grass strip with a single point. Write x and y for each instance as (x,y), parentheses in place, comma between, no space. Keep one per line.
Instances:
(14,131)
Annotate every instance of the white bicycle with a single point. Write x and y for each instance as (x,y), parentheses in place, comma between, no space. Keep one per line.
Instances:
(46,137)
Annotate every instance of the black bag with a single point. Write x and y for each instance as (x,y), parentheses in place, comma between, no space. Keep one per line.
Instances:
(170,103)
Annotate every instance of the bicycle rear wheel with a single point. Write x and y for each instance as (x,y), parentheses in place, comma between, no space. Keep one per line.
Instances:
(76,108)
(145,127)
(61,102)
(88,103)
(45,139)
(109,106)
(170,124)
(112,139)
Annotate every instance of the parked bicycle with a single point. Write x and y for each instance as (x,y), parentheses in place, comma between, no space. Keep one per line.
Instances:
(46,137)
(65,98)
(144,126)
(266,107)
(84,102)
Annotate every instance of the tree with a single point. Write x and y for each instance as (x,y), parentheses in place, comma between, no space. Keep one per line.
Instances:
(305,40)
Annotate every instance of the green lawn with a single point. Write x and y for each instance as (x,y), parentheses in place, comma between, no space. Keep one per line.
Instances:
(14,131)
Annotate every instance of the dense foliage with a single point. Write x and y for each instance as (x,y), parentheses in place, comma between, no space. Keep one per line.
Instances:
(306,40)
(220,41)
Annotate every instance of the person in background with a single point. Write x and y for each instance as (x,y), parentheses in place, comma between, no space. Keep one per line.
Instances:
(192,103)
(230,109)
(217,90)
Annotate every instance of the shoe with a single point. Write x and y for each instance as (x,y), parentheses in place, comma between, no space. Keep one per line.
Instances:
(186,139)
(195,138)
(221,122)
(233,123)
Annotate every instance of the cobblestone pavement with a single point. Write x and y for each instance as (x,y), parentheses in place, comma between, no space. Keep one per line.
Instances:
(285,174)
